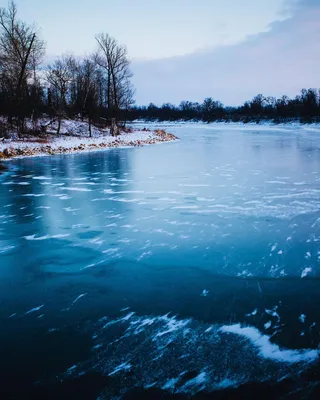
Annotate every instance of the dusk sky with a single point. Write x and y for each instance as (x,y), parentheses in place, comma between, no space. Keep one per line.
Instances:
(189,50)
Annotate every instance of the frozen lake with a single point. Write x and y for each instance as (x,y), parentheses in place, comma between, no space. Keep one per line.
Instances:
(186,267)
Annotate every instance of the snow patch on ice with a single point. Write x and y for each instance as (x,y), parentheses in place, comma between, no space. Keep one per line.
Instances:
(41,178)
(254,312)
(267,325)
(269,350)
(79,297)
(35,309)
(59,236)
(199,380)
(306,272)
(302,318)
(76,189)
(122,367)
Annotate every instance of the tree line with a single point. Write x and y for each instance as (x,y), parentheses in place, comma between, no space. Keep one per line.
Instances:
(96,88)
(304,108)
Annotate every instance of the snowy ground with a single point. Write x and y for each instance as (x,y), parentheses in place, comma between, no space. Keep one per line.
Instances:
(74,137)
(251,126)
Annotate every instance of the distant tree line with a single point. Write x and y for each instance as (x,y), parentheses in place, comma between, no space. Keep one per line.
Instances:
(304,108)
(97,88)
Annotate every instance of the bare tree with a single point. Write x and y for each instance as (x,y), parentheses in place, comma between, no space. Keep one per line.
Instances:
(59,77)
(113,59)
(21,51)
(126,97)
(89,90)
(101,83)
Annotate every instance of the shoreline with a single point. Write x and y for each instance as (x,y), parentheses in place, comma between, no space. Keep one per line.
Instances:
(49,146)
(230,124)
(260,122)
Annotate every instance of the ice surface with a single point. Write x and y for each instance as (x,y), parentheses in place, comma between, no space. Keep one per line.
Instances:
(190,228)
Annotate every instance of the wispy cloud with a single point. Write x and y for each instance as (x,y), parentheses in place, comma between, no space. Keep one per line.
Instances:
(280,61)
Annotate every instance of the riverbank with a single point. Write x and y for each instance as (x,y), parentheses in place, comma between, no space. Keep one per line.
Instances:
(52,144)
(263,125)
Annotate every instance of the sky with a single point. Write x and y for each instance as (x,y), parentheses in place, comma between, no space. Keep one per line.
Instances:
(191,49)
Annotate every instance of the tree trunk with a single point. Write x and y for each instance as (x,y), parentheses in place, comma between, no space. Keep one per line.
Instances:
(108,92)
(59,126)
(20,80)
(114,130)
(24,64)
(115,94)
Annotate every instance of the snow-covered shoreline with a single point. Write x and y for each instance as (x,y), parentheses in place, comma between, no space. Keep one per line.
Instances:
(250,126)
(73,144)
